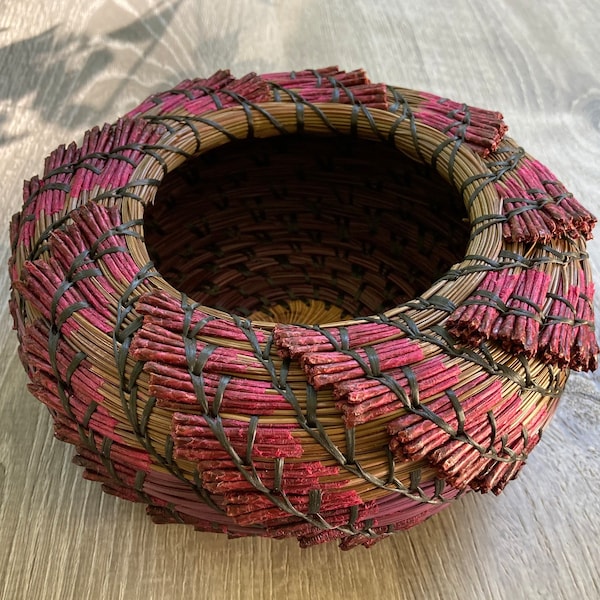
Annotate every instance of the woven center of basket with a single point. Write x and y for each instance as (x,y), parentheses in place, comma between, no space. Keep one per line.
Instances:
(259,226)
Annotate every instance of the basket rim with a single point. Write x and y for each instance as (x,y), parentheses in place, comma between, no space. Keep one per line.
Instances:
(189,138)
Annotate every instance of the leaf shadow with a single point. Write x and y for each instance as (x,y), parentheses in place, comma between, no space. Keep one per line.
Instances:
(35,66)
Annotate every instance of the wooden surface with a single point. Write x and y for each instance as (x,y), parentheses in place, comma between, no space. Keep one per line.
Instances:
(73,64)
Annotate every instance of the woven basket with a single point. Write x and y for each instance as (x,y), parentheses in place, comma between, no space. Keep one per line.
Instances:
(300,304)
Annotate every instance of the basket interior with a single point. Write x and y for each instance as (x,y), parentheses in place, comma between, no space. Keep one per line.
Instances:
(353,225)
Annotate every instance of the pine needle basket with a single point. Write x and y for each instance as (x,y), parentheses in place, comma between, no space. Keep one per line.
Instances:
(300,304)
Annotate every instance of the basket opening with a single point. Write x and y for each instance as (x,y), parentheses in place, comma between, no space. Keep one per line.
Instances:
(345,223)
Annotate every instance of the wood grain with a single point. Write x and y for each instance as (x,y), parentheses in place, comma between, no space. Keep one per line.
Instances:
(82,63)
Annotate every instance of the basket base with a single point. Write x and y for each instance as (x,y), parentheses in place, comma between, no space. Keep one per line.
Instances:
(300,312)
